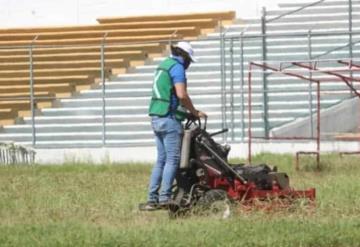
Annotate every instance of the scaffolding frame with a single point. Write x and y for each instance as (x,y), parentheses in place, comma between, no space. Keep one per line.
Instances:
(293,69)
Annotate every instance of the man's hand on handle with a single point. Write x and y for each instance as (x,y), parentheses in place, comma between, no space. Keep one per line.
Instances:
(201,114)
(181,93)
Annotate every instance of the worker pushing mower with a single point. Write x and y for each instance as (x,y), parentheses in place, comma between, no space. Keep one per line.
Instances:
(191,168)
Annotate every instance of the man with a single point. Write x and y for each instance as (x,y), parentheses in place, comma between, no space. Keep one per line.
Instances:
(168,98)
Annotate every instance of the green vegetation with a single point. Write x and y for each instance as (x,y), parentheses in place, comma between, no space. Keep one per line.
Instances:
(92,205)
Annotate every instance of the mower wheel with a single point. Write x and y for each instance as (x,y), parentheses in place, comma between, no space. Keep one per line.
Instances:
(178,208)
(214,202)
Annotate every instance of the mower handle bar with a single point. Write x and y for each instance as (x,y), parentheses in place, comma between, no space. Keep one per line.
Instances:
(219,132)
(196,120)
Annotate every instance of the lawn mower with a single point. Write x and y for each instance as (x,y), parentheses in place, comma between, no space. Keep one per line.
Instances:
(205,176)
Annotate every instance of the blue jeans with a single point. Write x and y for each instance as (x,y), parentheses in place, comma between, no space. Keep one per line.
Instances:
(168,133)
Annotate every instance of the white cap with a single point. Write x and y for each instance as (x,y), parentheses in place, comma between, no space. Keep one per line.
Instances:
(185,46)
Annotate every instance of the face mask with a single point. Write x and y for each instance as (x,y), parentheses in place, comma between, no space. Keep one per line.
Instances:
(187,62)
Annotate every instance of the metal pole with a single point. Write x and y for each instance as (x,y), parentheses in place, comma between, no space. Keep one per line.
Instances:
(170,40)
(350,29)
(242,86)
(32,106)
(249,113)
(232,88)
(310,85)
(222,65)
(350,39)
(318,126)
(264,75)
(103,89)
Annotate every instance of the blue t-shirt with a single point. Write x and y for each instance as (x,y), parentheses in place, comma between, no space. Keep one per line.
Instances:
(177,74)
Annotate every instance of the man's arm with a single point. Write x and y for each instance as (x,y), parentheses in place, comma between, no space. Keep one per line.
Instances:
(183,96)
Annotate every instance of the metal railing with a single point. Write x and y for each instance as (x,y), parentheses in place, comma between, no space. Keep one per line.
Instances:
(233,73)
(315,67)
(265,21)
(293,11)
(11,154)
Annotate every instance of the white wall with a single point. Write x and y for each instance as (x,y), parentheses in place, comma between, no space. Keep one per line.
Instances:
(148,154)
(18,13)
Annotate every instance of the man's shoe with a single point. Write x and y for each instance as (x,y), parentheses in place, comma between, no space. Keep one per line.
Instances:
(166,204)
(149,206)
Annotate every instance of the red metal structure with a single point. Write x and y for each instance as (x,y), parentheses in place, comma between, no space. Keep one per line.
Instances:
(240,191)
(294,69)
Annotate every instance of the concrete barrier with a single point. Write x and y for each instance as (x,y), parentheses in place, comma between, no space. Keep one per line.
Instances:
(343,117)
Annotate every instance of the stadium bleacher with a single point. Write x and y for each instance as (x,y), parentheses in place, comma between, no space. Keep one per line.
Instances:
(68,59)
(78,121)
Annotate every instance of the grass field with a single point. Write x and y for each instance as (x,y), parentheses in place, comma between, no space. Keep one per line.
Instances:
(92,205)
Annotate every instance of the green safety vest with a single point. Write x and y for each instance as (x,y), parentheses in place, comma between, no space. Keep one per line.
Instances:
(162,91)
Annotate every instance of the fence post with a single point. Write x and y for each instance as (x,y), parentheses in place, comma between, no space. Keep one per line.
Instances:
(242,86)
(310,85)
(103,88)
(32,100)
(350,39)
(350,29)
(171,40)
(264,75)
(223,79)
(232,88)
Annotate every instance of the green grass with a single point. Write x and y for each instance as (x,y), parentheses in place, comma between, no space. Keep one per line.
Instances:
(92,205)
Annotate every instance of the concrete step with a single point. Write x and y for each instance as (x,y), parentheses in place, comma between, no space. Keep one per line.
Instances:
(343,53)
(255,34)
(190,76)
(92,132)
(117,142)
(204,99)
(301,56)
(215,58)
(90,143)
(58,132)
(204,67)
(274,27)
(201,76)
(127,112)
(250,55)
(76,136)
(276,82)
(212,89)
(301,46)
(120,111)
(299,18)
(122,127)
(129,85)
(255,43)
(327,3)
(133,101)
(146,92)
(80,127)
(316,10)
